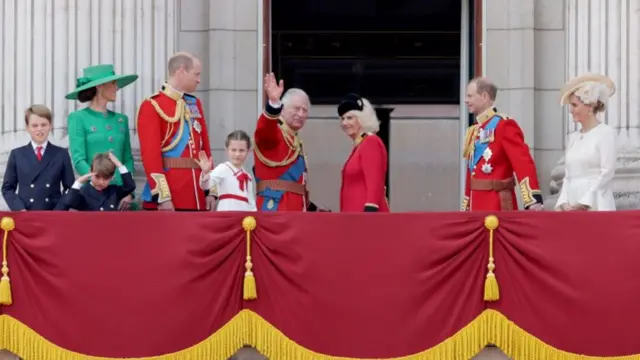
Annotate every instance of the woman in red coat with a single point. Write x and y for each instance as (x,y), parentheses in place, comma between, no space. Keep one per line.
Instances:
(363,175)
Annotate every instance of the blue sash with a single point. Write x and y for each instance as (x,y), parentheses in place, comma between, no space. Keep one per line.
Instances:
(272,197)
(481,146)
(176,152)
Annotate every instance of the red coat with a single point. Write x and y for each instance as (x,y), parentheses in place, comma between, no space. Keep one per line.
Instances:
(363,176)
(280,163)
(165,136)
(489,184)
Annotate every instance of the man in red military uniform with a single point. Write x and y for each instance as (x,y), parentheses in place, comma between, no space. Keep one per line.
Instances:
(172,131)
(280,162)
(495,149)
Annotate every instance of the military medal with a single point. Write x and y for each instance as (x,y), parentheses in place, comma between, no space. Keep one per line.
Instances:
(487,168)
(195,113)
(197,126)
(486,155)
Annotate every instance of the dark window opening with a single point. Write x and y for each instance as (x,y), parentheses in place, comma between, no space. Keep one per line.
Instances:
(390,51)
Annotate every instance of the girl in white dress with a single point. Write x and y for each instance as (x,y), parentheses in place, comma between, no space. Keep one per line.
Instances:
(234,184)
(590,159)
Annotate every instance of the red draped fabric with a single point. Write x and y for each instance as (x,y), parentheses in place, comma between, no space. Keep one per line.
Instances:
(359,285)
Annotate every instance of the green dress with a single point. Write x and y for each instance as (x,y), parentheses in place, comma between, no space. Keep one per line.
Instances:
(92,132)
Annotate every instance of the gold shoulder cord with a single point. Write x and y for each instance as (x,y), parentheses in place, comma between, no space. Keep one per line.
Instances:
(469,141)
(172,120)
(294,145)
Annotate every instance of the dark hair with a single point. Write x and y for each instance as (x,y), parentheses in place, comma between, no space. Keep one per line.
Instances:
(39,110)
(598,107)
(238,135)
(485,86)
(87,95)
(103,166)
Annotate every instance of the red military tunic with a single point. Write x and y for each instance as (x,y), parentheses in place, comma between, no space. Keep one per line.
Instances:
(172,131)
(495,149)
(280,165)
(363,176)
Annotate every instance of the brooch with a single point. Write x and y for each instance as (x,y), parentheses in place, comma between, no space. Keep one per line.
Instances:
(487,168)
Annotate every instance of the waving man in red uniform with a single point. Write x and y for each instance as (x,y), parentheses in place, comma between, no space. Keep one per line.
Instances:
(172,131)
(495,149)
(280,162)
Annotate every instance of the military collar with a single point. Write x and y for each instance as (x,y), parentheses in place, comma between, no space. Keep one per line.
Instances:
(172,92)
(359,139)
(286,127)
(486,115)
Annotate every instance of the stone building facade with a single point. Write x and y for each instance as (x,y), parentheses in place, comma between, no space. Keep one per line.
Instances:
(528,47)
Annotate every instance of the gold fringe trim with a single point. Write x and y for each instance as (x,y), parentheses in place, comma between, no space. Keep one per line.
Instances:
(248,328)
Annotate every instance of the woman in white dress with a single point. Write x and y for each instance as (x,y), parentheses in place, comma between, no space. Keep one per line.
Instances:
(590,159)
(233,183)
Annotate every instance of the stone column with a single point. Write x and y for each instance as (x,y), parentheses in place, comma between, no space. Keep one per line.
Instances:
(603,36)
(46,43)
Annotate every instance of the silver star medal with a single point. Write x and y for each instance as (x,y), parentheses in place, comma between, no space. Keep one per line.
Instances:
(486,167)
(487,154)
(197,126)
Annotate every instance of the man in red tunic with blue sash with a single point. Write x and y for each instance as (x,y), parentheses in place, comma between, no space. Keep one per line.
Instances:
(495,149)
(280,162)
(172,132)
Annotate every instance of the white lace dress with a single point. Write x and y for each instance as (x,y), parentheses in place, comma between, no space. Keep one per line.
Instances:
(590,164)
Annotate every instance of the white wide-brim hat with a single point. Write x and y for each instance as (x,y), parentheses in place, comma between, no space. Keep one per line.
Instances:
(576,83)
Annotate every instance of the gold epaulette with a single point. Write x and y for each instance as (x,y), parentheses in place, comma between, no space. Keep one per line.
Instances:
(469,142)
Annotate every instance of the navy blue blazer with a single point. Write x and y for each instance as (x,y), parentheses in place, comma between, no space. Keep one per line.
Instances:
(87,198)
(30,184)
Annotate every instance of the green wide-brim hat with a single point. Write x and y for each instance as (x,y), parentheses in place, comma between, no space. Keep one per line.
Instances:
(98,75)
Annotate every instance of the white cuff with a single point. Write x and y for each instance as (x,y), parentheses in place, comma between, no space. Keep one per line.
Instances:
(76,185)
(123,169)
(275,106)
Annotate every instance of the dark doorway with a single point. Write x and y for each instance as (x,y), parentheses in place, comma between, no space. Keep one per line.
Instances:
(390,51)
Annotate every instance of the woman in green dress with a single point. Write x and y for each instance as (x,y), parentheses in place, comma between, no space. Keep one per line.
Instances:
(95,129)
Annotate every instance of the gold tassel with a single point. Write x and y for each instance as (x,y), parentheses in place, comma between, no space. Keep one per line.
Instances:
(7,224)
(249,288)
(491,289)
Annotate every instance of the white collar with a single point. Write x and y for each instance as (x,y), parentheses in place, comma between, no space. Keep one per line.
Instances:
(44,145)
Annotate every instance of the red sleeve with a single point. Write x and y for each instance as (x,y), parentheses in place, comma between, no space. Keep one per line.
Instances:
(521,161)
(150,135)
(373,157)
(206,144)
(467,189)
(267,134)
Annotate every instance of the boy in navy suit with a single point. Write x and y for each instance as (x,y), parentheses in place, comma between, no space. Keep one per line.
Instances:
(36,172)
(99,195)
